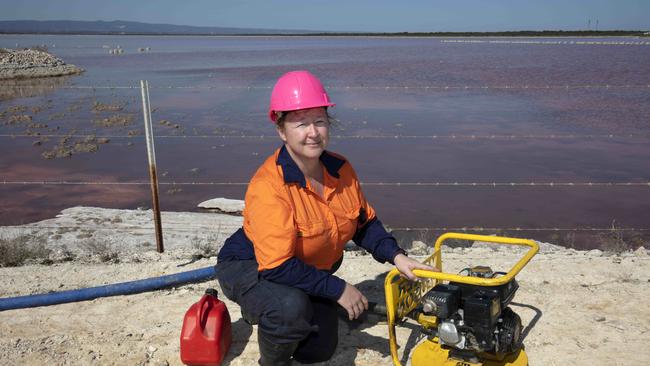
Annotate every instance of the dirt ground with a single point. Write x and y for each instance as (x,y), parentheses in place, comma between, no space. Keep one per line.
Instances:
(578,308)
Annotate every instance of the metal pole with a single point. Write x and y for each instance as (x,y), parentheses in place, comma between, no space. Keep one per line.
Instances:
(151,154)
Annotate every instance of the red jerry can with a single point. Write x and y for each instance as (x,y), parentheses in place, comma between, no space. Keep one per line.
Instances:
(207,332)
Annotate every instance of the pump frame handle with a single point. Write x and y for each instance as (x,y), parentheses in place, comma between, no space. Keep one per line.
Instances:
(403,296)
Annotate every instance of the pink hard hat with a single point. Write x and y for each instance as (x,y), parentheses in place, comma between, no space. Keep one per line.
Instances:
(297,90)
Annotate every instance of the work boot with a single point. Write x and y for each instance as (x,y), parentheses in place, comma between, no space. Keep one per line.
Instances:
(274,354)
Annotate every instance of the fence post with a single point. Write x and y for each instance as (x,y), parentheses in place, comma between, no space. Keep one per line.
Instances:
(151,154)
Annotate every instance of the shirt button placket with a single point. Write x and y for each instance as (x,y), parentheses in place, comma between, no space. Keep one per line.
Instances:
(334,231)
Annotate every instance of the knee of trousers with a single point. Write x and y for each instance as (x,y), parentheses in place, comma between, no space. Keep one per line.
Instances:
(287,318)
(236,277)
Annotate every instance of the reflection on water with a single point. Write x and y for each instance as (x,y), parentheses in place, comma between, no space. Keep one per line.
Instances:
(25,88)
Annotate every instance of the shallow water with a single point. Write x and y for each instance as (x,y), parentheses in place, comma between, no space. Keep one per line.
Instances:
(411,110)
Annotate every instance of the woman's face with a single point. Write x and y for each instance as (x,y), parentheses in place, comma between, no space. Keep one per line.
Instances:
(306,132)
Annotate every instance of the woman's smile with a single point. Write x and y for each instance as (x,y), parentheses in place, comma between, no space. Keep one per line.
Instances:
(305,133)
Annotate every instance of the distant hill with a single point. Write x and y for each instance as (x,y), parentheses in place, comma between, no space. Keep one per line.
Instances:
(124,27)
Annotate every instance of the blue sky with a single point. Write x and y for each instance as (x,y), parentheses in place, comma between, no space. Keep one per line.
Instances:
(349,15)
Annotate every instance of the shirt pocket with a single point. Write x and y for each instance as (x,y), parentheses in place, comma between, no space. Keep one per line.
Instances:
(350,223)
(355,215)
(311,230)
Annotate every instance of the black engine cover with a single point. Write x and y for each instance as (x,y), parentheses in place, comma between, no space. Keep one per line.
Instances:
(446,298)
(482,310)
(505,292)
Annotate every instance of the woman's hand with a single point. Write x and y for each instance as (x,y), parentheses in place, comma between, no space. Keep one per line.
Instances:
(353,301)
(406,265)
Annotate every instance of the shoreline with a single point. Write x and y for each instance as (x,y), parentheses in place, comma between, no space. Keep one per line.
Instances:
(32,72)
(83,232)
(514,34)
(573,303)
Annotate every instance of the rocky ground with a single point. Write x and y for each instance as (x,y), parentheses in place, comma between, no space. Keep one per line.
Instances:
(32,63)
(578,308)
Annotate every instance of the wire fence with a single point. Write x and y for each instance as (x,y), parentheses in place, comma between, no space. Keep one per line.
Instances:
(497,229)
(353,87)
(149,228)
(369,184)
(433,88)
(353,137)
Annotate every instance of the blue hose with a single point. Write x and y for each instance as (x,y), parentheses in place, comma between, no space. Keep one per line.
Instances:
(116,289)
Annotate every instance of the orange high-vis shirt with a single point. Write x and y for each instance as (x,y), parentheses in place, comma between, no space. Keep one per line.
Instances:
(285,218)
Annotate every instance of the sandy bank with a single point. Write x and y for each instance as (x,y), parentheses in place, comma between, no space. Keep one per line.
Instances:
(578,308)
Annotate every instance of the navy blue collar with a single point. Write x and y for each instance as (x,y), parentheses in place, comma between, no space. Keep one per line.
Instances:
(292,173)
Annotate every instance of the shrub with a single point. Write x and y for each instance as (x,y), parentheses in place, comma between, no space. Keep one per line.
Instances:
(207,247)
(16,252)
(101,250)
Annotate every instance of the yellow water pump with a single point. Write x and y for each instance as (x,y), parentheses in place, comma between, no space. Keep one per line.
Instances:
(465,316)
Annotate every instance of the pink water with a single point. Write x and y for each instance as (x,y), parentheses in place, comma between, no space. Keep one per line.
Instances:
(467,113)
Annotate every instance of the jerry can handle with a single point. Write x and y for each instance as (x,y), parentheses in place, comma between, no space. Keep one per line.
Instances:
(199,309)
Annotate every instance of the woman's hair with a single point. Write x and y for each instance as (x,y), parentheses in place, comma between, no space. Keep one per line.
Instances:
(282,116)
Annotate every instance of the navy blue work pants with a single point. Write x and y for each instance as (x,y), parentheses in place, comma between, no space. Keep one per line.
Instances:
(283,313)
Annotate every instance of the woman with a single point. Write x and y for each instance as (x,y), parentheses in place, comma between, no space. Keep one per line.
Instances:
(302,205)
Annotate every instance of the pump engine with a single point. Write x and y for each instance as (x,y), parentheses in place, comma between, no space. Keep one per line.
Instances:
(475,318)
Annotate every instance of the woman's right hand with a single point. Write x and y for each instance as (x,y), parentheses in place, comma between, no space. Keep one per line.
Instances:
(353,301)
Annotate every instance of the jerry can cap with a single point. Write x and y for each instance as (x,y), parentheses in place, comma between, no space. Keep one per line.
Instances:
(212,292)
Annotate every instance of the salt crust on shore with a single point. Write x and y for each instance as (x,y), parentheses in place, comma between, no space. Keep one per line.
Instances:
(578,308)
(26,64)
